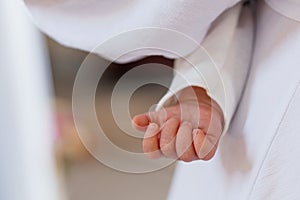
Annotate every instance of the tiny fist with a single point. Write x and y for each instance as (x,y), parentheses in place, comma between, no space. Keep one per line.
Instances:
(189,130)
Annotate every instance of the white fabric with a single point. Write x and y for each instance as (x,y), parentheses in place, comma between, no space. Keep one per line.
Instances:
(28,168)
(223,73)
(258,157)
(86,24)
(288,8)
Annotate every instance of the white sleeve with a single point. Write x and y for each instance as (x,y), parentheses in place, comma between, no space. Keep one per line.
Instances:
(221,66)
(290,9)
(85,24)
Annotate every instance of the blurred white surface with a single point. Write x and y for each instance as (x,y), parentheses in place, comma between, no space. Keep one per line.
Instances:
(26,129)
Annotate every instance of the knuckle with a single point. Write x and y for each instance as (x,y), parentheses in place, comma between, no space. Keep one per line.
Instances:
(186,158)
(168,150)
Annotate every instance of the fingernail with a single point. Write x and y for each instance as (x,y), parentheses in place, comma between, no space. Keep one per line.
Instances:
(195,132)
(153,127)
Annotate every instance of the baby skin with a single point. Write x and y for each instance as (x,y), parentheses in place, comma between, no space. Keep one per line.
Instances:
(189,130)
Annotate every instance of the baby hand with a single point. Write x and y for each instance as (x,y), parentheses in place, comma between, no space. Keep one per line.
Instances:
(189,130)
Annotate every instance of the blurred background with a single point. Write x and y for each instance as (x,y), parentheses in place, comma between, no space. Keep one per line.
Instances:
(41,154)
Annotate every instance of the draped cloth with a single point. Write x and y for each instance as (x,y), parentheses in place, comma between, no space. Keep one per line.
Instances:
(257,158)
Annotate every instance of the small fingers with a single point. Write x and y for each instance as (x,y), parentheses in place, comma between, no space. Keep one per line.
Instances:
(168,137)
(207,139)
(184,143)
(205,146)
(150,142)
(140,122)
